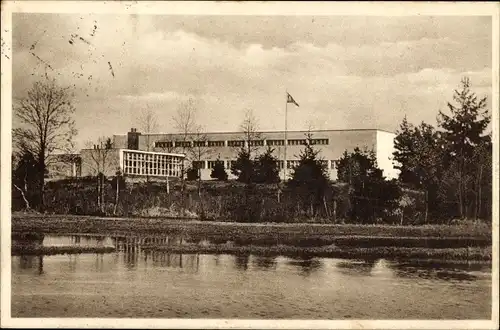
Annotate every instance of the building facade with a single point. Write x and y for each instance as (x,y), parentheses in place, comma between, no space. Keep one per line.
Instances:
(204,150)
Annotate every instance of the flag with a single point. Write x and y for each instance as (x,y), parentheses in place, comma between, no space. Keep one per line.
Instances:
(291,100)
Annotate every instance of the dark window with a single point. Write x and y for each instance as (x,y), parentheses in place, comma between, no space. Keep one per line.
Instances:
(199,143)
(319,141)
(183,144)
(275,142)
(296,142)
(257,143)
(215,143)
(164,144)
(235,143)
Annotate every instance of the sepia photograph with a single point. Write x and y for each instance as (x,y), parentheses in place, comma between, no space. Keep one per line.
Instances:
(220,162)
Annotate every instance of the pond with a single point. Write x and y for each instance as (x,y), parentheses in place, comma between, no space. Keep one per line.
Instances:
(135,283)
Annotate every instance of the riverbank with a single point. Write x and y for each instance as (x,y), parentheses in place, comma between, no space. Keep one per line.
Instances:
(454,255)
(54,250)
(462,243)
(30,223)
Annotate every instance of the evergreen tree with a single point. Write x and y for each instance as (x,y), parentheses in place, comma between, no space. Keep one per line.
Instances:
(371,196)
(419,157)
(463,132)
(218,171)
(243,167)
(25,180)
(266,168)
(404,154)
(310,180)
(192,173)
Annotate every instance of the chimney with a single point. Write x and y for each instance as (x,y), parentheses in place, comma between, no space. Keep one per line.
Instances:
(133,139)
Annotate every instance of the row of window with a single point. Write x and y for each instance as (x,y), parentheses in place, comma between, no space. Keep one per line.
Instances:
(228,163)
(237,143)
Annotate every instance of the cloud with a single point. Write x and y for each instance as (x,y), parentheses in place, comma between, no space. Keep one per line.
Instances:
(345,72)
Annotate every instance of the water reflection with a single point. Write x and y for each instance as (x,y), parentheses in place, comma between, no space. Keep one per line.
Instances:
(436,271)
(264,263)
(130,250)
(241,261)
(356,267)
(306,264)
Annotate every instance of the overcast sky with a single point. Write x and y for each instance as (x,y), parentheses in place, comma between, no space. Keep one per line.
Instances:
(345,72)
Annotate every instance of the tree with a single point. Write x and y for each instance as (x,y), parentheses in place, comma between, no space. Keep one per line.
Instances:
(120,185)
(100,161)
(46,125)
(242,168)
(266,168)
(148,123)
(310,179)
(463,132)
(371,196)
(251,135)
(404,154)
(192,173)
(356,164)
(218,171)
(25,179)
(185,124)
(198,152)
(419,157)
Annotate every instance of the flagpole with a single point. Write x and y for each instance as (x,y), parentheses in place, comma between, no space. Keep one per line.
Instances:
(286,115)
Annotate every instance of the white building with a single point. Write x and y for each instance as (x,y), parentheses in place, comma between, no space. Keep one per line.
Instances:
(225,146)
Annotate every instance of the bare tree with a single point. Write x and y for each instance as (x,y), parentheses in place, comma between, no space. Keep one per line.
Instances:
(100,154)
(185,123)
(148,123)
(46,125)
(198,152)
(251,134)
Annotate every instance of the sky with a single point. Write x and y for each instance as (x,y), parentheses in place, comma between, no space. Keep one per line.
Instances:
(345,72)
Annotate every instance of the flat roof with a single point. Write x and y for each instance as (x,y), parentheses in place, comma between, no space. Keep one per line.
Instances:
(152,152)
(264,132)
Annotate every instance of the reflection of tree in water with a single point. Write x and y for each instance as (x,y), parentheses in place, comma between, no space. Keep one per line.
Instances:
(28,240)
(130,256)
(26,262)
(264,263)
(307,264)
(99,262)
(241,261)
(40,265)
(175,260)
(72,262)
(30,262)
(357,267)
(433,271)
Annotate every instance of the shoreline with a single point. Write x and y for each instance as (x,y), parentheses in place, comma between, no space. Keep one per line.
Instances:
(430,242)
(476,255)
(57,250)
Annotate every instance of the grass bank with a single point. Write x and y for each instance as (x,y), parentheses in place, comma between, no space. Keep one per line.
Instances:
(275,232)
(464,243)
(53,250)
(478,255)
